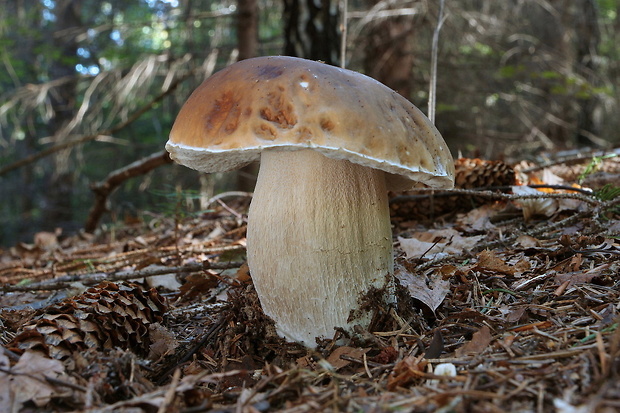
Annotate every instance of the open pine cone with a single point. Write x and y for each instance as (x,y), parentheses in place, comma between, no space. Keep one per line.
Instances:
(105,316)
(469,174)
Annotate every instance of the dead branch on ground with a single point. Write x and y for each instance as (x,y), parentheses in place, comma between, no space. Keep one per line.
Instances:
(106,187)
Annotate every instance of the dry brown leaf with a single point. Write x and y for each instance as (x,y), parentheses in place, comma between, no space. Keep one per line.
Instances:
(569,204)
(579,277)
(479,219)
(527,241)
(437,243)
(163,341)
(406,371)
(436,346)
(197,284)
(515,313)
(488,260)
(27,381)
(167,281)
(386,355)
(47,240)
(335,357)
(431,292)
(478,343)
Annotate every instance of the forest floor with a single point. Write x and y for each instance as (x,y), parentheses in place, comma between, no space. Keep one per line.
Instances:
(508,301)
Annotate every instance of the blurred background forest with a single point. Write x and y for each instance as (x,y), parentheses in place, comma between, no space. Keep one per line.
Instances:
(88,87)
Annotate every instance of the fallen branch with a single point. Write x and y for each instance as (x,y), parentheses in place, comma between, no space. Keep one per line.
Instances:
(97,277)
(104,188)
(486,193)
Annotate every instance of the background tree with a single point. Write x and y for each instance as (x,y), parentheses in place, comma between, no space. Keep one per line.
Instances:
(64,28)
(311,30)
(104,81)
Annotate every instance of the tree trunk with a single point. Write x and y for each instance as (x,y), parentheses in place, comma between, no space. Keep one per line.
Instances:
(389,52)
(247,28)
(247,43)
(587,37)
(312,30)
(58,210)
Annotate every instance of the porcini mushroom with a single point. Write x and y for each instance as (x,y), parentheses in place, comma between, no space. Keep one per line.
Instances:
(331,143)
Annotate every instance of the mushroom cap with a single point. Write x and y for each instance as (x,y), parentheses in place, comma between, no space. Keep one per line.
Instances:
(289,103)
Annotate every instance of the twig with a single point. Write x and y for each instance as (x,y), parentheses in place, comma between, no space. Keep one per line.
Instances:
(94,278)
(104,188)
(578,158)
(485,193)
(435,45)
(343,40)
(169,397)
(208,335)
(229,194)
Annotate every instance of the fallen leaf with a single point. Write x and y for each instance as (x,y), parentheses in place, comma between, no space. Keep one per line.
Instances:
(27,381)
(479,219)
(47,240)
(406,371)
(163,342)
(436,346)
(537,206)
(431,292)
(515,313)
(437,243)
(527,241)
(167,281)
(386,355)
(570,204)
(488,260)
(197,284)
(579,277)
(335,357)
(478,343)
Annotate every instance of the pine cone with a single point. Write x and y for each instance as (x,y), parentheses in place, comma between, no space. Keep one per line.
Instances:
(469,173)
(105,316)
(478,173)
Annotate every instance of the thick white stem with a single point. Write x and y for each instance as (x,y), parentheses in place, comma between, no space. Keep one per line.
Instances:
(319,238)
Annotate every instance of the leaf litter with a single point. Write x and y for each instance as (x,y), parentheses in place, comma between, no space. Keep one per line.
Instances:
(500,309)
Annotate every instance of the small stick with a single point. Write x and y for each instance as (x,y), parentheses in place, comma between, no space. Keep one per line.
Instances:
(435,45)
(94,278)
(343,40)
(170,393)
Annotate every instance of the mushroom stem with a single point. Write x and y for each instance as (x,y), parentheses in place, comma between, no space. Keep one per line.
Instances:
(319,238)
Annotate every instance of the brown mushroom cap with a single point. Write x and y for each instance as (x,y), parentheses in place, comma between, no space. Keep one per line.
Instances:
(290,104)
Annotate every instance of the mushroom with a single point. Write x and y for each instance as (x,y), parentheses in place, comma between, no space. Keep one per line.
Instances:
(331,142)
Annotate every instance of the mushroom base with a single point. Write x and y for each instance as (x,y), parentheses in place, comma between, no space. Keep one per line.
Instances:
(318,239)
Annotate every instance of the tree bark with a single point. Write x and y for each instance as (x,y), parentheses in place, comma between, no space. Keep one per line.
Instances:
(247,44)
(58,210)
(312,30)
(587,38)
(247,28)
(389,52)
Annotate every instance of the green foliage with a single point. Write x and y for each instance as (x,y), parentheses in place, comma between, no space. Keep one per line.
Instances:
(556,82)
(608,192)
(594,165)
